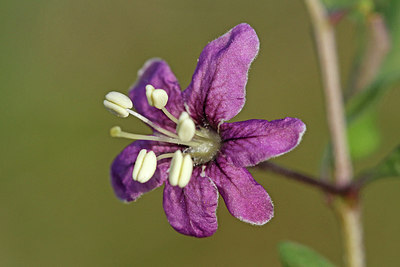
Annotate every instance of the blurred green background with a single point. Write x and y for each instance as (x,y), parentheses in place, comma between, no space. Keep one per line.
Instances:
(57,61)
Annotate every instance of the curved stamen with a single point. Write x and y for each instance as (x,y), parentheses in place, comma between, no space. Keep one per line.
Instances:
(151,124)
(169,115)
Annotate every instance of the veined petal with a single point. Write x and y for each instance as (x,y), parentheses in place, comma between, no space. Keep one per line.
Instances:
(192,210)
(247,143)
(124,186)
(217,91)
(244,197)
(157,73)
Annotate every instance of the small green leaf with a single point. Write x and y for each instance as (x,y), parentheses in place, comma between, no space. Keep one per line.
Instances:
(296,255)
(363,135)
(389,167)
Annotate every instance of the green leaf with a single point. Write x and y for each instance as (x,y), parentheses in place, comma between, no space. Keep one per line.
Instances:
(296,255)
(363,135)
(389,167)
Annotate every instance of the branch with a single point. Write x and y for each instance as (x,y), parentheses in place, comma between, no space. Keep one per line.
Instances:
(304,178)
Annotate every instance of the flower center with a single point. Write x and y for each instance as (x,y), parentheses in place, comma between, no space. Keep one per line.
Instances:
(199,145)
(207,149)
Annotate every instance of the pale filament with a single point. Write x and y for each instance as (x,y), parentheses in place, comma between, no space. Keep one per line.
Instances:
(172,118)
(169,155)
(165,156)
(122,134)
(151,124)
(169,115)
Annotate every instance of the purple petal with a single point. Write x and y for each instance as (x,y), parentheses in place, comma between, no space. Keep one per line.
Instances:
(247,143)
(124,186)
(157,73)
(244,197)
(191,210)
(217,91)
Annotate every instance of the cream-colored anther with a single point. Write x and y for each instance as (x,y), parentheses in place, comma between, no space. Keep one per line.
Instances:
(118,104)
(145,166)
(119,99)
(156,97)
(186,172)
(180,170)
(149,91)
(115,131)
(185,128)
(184,115)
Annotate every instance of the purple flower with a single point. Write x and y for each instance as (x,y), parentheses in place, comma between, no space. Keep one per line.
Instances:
(213,154)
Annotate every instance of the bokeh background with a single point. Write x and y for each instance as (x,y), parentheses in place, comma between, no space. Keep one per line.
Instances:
(57,61)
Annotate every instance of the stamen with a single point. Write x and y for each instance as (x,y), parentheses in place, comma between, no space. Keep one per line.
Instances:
(185,128)
(156,97)
(186,172)
(151,124)
(180,170)
(117,132)
(145,166)
(117,104)
(165,156)
(169,115)
(149,91)
(138,164)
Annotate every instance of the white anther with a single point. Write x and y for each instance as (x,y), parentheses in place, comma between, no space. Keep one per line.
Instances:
(180,170)
(118,104)
(145,166)
(156,97)
(185,128)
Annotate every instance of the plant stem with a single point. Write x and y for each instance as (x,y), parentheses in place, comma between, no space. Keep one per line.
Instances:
(350,217)
(304,178)
(326,47)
